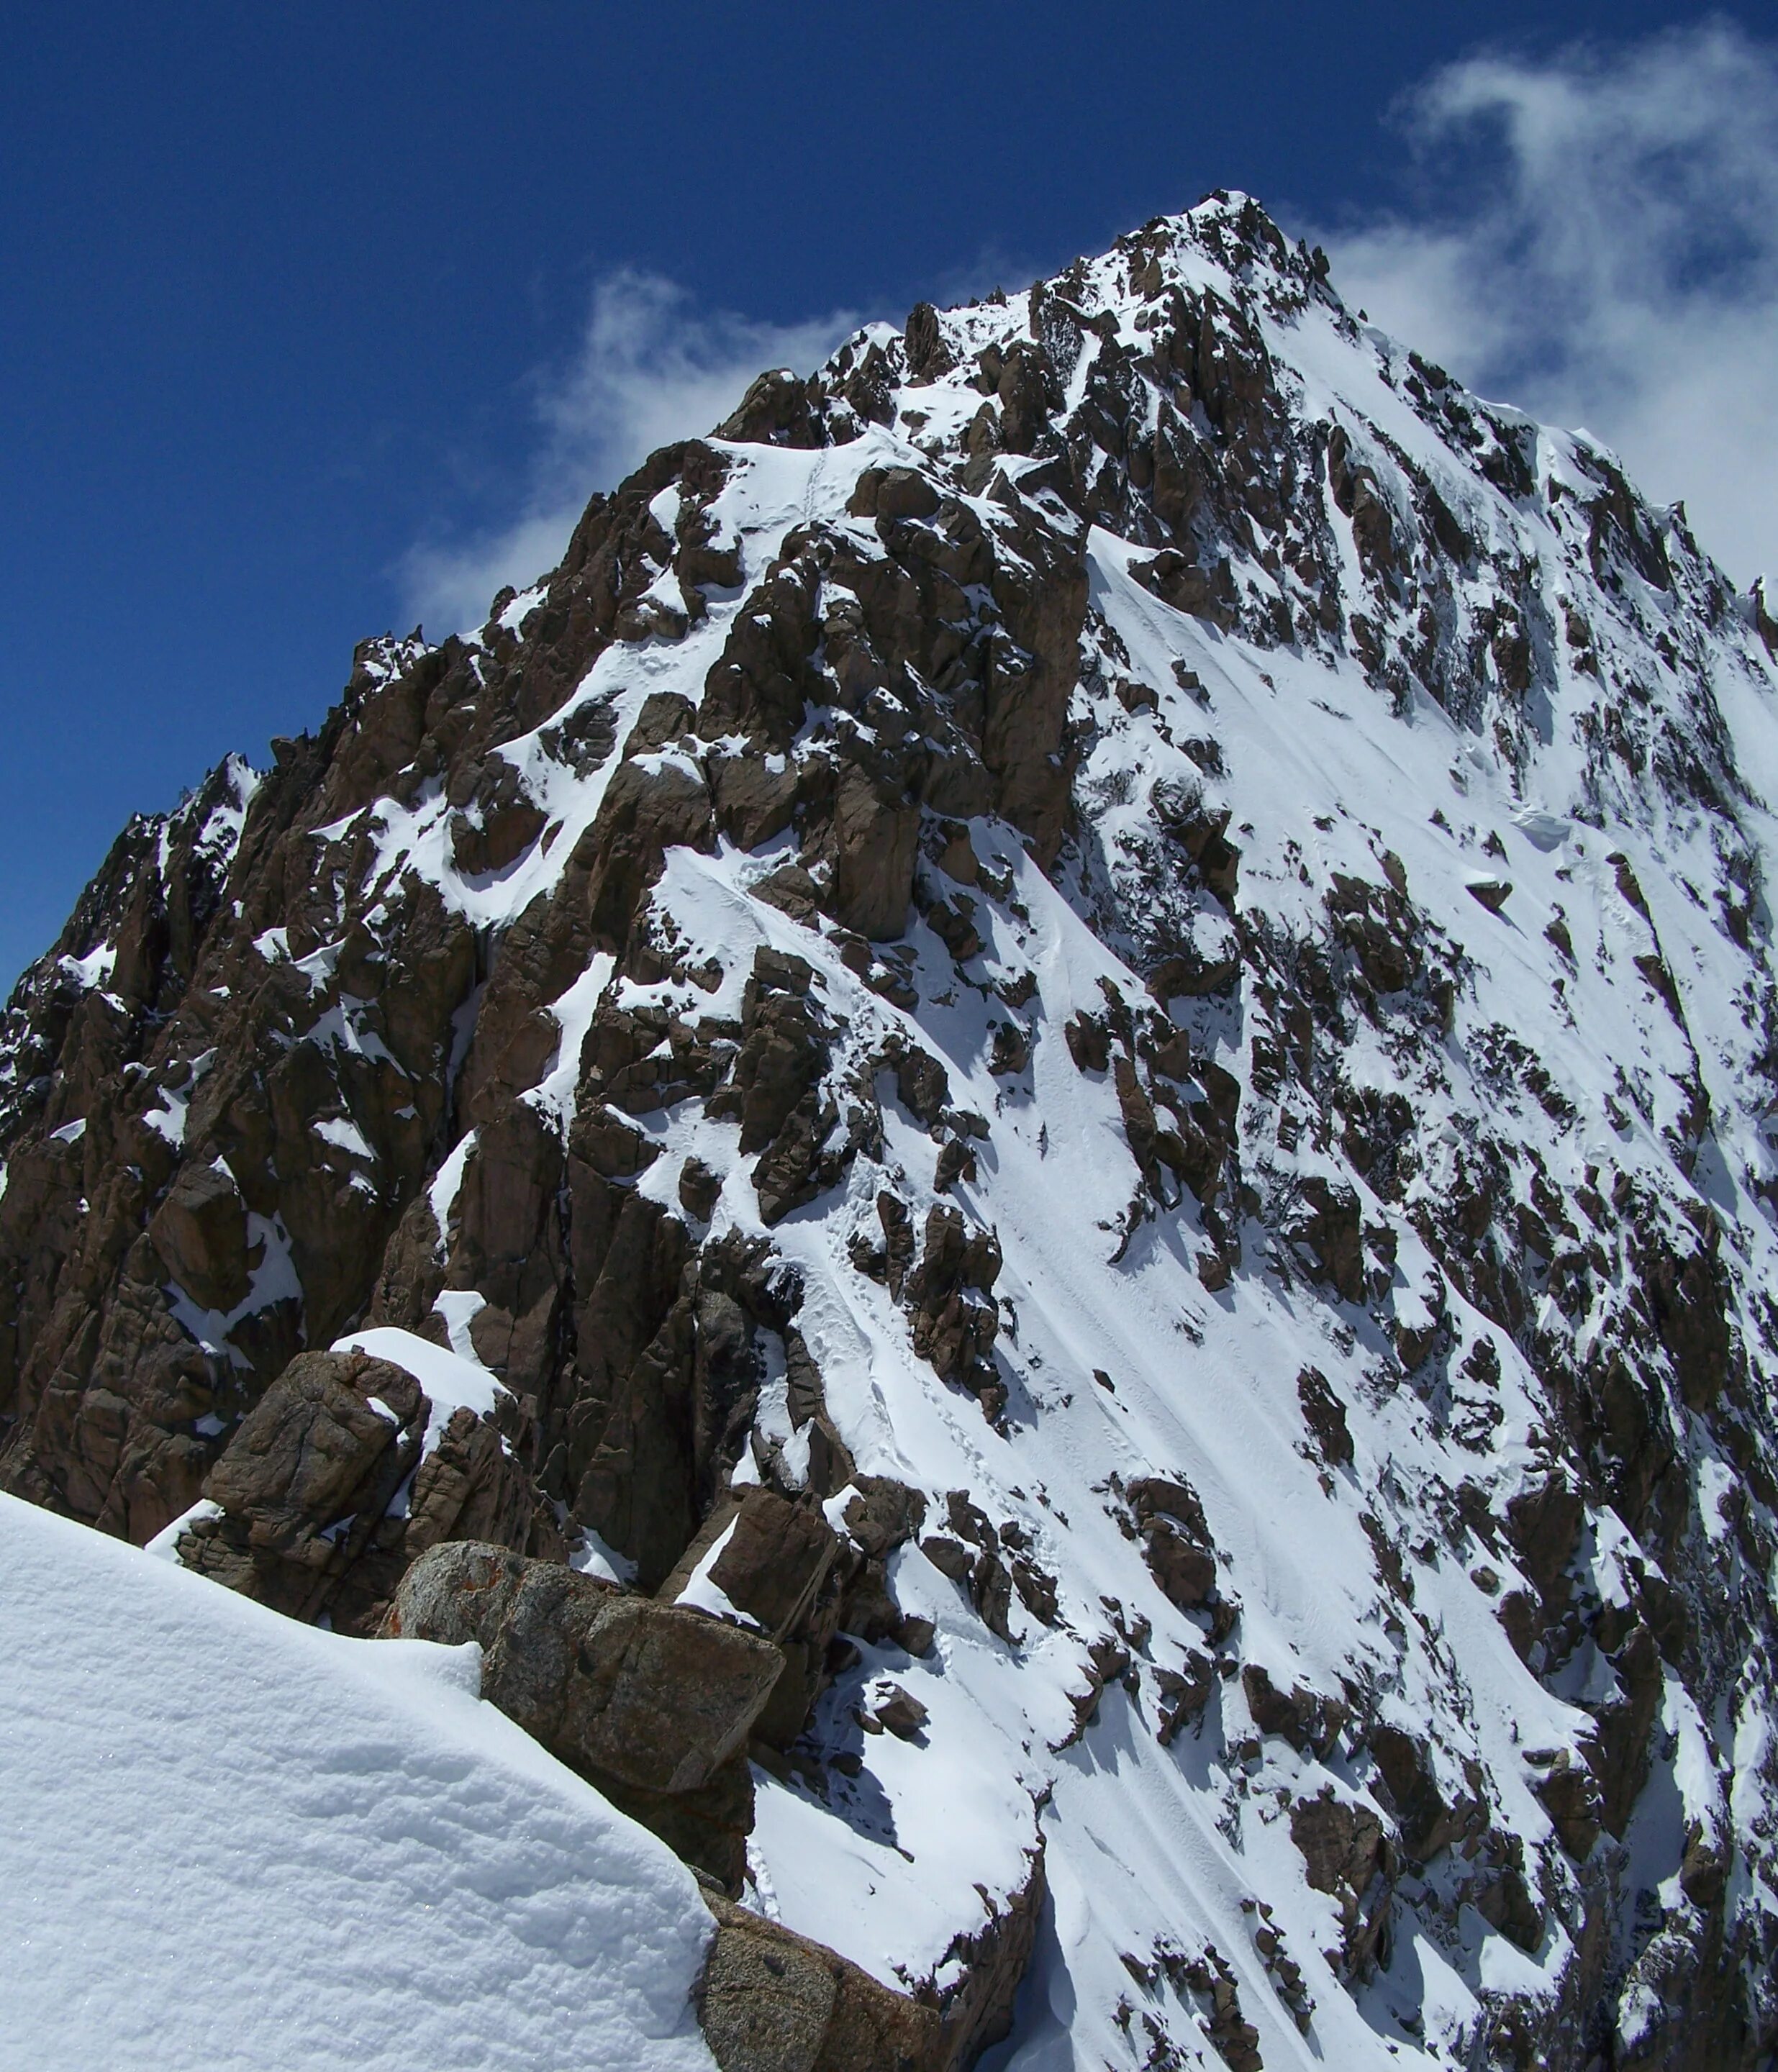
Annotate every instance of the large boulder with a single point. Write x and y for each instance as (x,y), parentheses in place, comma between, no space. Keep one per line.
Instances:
(772,1557)
(303,1453)
(470,1484)
(876,846)
(779,1563)
(656,1695)
(652,1703)
(304,1483)
(771,2000)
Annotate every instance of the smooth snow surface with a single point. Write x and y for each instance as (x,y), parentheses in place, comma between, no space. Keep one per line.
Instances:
(231,1842)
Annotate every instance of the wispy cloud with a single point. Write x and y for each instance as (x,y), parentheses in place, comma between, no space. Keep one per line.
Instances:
(1612,261)
(1596,240)
(651,367)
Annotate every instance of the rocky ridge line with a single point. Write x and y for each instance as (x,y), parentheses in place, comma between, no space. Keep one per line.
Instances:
(1080,1023)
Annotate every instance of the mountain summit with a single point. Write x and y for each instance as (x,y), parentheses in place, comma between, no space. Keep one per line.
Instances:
(1029,1143)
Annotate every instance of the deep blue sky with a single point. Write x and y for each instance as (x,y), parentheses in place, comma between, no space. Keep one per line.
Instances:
(275,284)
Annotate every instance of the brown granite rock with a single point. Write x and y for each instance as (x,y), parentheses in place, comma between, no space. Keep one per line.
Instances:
(876,839)
(304,1452)
(774,1558)
(1346,1853)
(657,1697)
(771,2000)
(200,1232)
(306,1485)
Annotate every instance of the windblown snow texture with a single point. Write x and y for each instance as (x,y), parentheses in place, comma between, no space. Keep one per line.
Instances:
(232,1841)
(1131,915)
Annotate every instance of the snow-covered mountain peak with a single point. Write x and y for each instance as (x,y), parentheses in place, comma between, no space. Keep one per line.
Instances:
(1082,1021)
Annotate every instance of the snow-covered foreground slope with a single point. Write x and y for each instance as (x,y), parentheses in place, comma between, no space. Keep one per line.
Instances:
(1084,1022)
(232,1842)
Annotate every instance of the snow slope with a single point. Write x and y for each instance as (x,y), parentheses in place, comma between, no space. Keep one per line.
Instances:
(232,1842)
(1401,1201)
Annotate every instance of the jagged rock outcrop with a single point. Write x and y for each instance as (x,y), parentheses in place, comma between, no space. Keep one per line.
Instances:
(307,1478)
(1076,1033)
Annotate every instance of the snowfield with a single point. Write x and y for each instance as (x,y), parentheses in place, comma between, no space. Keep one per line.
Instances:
(230,1842)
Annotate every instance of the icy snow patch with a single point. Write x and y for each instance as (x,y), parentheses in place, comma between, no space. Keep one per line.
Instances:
(447,1185)
(573,1012)
(344,1134)
(169,1122)
(513,618)
(94,969)
(458,1308)
(165,1545)
(273,1280)
(703,1595)
(593,1557)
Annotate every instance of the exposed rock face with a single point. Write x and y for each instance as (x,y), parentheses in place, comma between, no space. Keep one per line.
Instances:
(652,1704)
(1073,1041)
(771,2001)
(308,1475)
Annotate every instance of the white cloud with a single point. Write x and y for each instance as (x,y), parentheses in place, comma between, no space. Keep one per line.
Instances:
(1612,260)
(1597,244)
(650,368)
